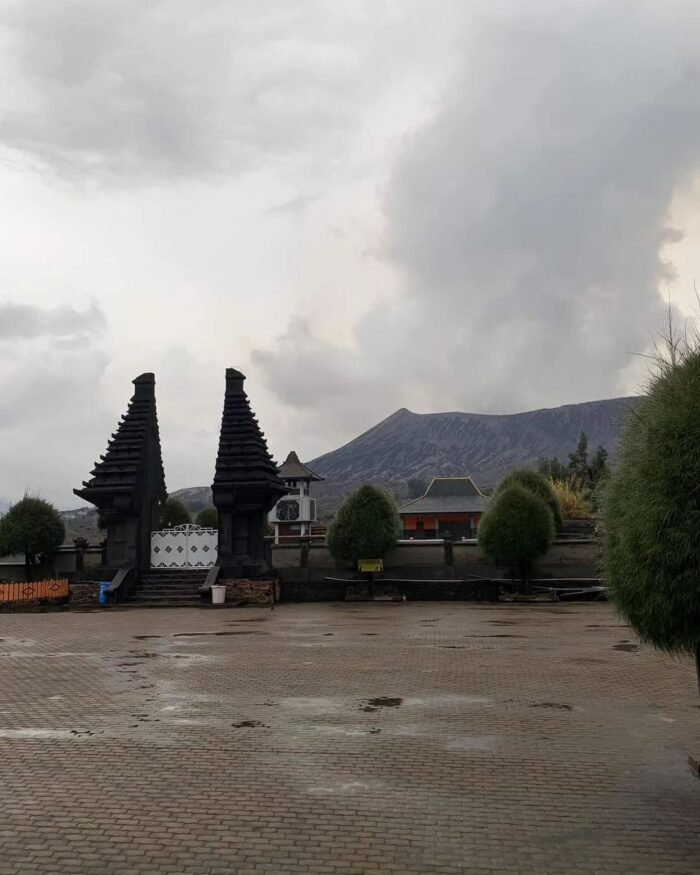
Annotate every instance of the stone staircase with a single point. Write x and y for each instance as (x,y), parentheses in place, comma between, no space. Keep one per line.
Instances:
(170,587)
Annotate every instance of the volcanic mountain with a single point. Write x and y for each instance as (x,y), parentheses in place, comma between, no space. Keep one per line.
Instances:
(425,445)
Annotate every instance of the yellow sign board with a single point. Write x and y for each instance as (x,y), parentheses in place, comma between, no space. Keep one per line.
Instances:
(371,565)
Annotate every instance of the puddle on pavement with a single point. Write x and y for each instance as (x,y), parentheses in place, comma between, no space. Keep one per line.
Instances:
(381,702)
(556,706)
(20,734)
(205,634)
(160,655)
(249,620)
(498,635)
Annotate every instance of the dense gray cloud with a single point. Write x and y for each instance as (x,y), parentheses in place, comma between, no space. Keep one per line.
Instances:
(27,322)
(51,398)
(529,215)
(127,90)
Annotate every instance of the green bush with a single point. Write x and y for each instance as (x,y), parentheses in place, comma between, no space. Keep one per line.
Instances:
(208,518)
(174,513)
(32,527)
(366,527)
(539,485)
(651,512)
(516,529)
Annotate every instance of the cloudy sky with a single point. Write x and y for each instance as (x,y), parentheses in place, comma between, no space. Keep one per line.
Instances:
(439,204)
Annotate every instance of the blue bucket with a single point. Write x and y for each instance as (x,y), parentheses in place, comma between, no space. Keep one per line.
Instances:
(104,586)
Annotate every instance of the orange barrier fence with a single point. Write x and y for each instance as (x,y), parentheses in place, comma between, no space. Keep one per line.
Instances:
(38,590)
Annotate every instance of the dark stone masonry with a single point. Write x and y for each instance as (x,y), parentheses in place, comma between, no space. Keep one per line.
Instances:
(246,486)
(127,485)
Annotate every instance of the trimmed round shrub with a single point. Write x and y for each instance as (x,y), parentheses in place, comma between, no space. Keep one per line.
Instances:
(366,527)
(32,527)
(516,530)
(174,513)
(208,518)
(539,485)
(651,513)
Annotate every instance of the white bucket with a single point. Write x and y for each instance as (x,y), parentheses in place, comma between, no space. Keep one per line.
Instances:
(218,594)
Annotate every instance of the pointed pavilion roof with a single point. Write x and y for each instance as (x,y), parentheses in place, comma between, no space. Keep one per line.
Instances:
(243,457)
(131,450)
(293,469)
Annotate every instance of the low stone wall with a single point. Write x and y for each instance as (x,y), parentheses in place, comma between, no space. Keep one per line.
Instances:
(450,590)
(84,593)
(307,590)
(255,592)
(430,560)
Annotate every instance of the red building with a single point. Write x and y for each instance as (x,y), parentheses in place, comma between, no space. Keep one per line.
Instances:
(451,506)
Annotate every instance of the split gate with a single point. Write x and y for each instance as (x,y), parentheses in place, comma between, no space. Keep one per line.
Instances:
(184,547)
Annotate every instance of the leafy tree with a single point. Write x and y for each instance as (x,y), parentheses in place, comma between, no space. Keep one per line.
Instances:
(416,487)
(33,527)
(592,472)
(651,511)
(174,513)
(517,528)
(578,460)
(208,518)
(365,527)
(538,484)
(598,470)
(553,469)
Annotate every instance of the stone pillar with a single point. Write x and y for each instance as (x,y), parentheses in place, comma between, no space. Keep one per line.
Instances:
(246,486)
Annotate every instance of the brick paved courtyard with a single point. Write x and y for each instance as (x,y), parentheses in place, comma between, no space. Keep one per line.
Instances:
(416,738)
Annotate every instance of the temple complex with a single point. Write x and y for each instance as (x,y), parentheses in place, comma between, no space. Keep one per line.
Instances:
(246,486)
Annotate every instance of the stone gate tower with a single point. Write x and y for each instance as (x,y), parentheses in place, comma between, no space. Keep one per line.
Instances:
(128,483)
(246,486)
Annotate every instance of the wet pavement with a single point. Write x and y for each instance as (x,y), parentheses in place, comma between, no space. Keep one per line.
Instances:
(406,738)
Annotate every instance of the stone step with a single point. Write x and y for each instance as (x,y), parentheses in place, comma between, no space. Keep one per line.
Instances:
(190,581)
(160,591)
(154,593)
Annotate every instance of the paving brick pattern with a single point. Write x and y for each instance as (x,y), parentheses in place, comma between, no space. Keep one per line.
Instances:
(409,738)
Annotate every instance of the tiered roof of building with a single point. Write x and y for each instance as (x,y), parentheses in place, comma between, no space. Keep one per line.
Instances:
(293,469)
(448,495)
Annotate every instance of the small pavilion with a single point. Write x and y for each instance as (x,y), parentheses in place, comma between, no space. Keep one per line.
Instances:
(293,514)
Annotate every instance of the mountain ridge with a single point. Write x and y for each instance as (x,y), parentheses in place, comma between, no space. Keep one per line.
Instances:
(485,446)
(408,445)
